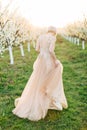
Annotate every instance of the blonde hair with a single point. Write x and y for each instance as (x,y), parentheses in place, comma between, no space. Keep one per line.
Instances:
(51,29)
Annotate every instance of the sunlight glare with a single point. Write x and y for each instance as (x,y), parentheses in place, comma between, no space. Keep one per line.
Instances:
(52,12)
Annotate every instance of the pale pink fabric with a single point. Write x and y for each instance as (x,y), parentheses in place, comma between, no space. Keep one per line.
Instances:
(44,88)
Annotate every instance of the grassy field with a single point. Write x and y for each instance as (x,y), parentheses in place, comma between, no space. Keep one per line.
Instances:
(13,79)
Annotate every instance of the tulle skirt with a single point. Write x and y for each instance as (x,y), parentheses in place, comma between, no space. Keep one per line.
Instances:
(44,90)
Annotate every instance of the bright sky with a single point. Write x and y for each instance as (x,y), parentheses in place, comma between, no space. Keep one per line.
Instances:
(51,12)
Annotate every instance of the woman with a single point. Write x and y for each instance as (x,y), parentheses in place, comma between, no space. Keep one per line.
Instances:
(44,89)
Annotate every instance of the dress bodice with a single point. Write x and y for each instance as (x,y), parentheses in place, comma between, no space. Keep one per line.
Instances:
(45,43)
(44,52)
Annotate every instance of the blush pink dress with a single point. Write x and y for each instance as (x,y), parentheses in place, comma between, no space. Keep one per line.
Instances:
(44,89)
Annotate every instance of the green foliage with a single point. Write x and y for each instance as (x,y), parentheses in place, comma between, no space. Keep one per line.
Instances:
(13,79)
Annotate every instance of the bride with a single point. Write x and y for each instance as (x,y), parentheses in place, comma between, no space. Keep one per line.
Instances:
(44,89)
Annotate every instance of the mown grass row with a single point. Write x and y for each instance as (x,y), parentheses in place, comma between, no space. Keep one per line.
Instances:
(13,79)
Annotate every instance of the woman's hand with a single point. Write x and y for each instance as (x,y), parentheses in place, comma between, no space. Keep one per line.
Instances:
(57,62)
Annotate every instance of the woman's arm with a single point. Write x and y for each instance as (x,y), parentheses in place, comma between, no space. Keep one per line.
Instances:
(51,49)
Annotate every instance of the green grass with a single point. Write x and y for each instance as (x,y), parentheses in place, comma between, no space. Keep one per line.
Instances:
(13,79)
